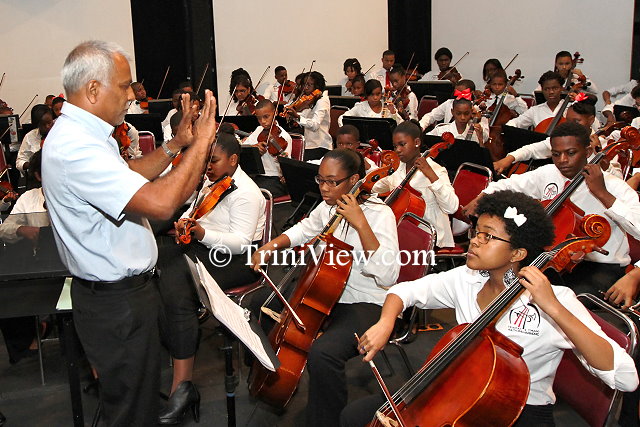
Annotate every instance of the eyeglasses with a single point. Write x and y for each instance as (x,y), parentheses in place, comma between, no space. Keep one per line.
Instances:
(330,182)
(484,237)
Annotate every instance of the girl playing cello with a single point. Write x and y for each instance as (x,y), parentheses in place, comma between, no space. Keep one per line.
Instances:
(511,231)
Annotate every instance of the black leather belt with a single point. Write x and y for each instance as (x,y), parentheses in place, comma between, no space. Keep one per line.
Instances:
(126,283)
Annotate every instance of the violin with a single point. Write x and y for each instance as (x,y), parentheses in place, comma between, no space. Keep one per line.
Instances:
(302,103)
(549,124)
(316,292)
(288,87)
(121,135)
(605,131)
(475,375)
(276,144)
(452,73)
(381,157)
(247,107)
(6,191)
(567,217)
(500,115)
(404,198)
(219,190)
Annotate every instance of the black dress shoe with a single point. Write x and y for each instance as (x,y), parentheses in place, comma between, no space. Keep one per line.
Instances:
(184,398)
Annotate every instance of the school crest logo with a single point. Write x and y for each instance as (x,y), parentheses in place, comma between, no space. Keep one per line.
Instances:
(550,191)
(525,318)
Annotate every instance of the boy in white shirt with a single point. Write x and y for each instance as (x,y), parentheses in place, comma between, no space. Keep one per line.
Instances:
(33,140)
(551,83)
(399,83)
(443,58)
(462,111)
(274,92)
(141,96)
(442,113)
(382,75)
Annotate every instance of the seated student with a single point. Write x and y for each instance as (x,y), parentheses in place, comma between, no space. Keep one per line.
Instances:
(141,96)
(500,250)
(583,113)
(615,91)
(566,68)
(489,68)
(382,75)
(42,117)
(351,69)
(186,86)
(497,82)
(370,227)
(274,92)
(632,99)
(442,113)
(463,111)
(349,137)
(224,234)
(373,106)
(20,333)
(432,181)
(48,100)
(551,83)
(357,87)
(272,179)
(601,193)
(443,58)
(402,94)
(175,102)
(314,118)
(241,90)
(56,106)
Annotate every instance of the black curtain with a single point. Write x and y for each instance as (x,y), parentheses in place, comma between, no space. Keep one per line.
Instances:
(635,43)
(410,32)
(177,34)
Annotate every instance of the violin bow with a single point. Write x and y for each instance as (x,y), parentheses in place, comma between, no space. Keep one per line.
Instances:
(294,89)
(406,82)
(282,299)
(453,66)
(2,80)
(25,110)
(306,79)
(204,73)
(370,68)
(255,88)
(385,390)
(163,80)
(512,59)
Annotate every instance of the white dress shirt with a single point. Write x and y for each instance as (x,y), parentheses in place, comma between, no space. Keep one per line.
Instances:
(626,101)
(166,125)
(363,109)
(514,103)
(315,122)
(623,89)
(369,278)
(271,92)
(29,210)
(381,75)
(451,127)
(432,75)
(270,163)
(87,186)
(442,112)
(525,324)
(343,84)
(547,182)
(135,108)
(134,151)
(534,115)
(31,144)
(238,219)
(439,197)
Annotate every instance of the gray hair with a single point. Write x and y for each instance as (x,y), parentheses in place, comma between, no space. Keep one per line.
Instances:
(90,60)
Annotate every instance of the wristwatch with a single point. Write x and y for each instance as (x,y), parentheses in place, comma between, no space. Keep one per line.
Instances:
(168,152)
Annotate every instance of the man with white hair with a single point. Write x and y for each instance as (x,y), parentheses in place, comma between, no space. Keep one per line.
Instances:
(99,205)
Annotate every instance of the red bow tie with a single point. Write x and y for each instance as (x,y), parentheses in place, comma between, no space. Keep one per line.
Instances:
(466,94)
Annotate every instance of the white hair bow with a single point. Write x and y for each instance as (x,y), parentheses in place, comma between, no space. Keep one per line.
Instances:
(512,213)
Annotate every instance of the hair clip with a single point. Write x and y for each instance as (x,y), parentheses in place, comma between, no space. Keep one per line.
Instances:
(512,213)
(459,94)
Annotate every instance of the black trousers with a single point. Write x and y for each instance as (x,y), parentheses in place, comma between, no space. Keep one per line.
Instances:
(18,333)
(271,183)
(327,359)
(235,273)
(592,277)
(119,332)
(314,153)
(361,412)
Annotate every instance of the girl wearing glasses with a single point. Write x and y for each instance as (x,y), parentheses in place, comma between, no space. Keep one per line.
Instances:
(370,227)
(511,231)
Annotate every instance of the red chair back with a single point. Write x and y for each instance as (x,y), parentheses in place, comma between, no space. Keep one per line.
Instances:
(427,103)
(469,181)
(335,112)
(529,100)
(297,146)
(585,393)
(415,235)
(3,161)
(268,217)
(147,141)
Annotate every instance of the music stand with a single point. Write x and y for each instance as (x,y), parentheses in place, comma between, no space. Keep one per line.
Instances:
(441,89)
(251,160)
(515,138)
(334,90)
(345,101)
(160,106)
(539,96)
(149,122)
(460,152)
(629,113)
(12,121)
(300,179)
(373,128)
(244,123)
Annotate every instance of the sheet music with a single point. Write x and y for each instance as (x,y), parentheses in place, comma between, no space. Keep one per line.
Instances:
(232,316)
(64,301)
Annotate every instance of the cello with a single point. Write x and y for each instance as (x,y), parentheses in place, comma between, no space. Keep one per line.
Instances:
(475,375)
(317,291)
(500,115)
(404,198)
(549,124)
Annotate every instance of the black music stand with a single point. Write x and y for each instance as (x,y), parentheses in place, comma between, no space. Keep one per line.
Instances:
(300,179)
(629,113)
(149,122)
(344,101)
(373,128)
(160,106)
(460,152)
(515,138)
(334,90)
(12,121)
(244,123)
(441,89)
(251,160)
(539,96)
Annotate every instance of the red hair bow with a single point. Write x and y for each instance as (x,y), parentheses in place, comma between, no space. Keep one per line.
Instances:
(466,94)
(581,97)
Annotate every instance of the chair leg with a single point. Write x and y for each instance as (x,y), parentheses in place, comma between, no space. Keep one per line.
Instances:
(96,415)
(386,362)
(405,359)
(39,341)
